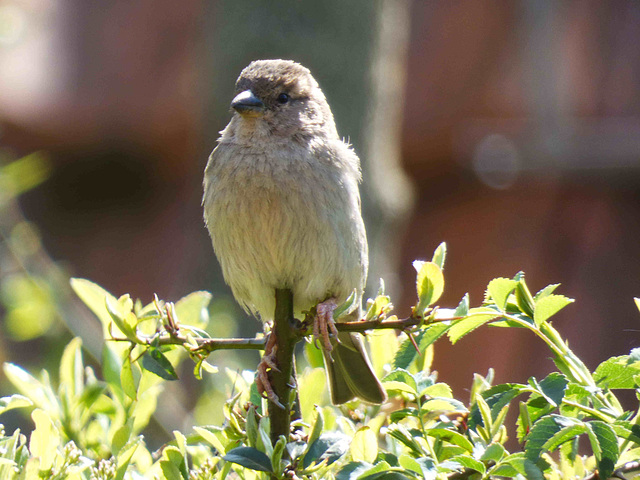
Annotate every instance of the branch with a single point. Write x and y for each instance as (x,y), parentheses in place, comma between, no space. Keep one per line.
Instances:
(203,346)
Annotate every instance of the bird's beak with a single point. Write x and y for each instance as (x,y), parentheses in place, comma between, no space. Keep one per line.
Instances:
(246,103)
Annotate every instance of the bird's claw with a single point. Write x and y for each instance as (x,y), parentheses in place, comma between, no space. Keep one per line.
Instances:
(324,325)
(268,361)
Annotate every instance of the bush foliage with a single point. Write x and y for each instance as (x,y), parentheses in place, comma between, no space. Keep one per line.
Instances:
(88,425)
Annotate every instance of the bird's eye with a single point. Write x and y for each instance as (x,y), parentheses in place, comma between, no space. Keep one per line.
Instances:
(283,98)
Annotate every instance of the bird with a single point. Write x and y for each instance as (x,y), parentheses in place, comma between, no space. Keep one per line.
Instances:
(282,206)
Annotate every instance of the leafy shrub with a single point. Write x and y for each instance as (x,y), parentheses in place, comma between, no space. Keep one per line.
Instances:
(89,426)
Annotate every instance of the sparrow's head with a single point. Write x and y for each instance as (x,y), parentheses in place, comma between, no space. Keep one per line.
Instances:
(284,97)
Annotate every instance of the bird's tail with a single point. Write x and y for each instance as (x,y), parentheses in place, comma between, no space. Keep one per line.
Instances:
(350,373)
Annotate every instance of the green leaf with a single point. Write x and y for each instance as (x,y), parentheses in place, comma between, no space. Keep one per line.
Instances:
(546,291)
(349,305)
(552,387)
(402,380)
(617,372)
(329,446)
(452,437)
(494,453)
(193,309)
(469,462)
(121,436)
(174,464)
(156,362)
(543,431)
(276,455)
(429,284)
(14,401)
(567,433)
(125,455)
(93,296)
(44,439)
(627,430)
(476,318)
(249,457)
(352,470)
(605,447)
(402,434)
(378,307)
(549,306)
(318,426)
(499,290)
(127,380)
(462,310)
(524,300)
(364,445)
(439,255)
(523,465)
(72,368)
(118,310)
(40,393)
(425,337)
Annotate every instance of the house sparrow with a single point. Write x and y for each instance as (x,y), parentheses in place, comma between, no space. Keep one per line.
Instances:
(282,206)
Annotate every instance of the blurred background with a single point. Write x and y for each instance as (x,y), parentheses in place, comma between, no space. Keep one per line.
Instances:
(508,129)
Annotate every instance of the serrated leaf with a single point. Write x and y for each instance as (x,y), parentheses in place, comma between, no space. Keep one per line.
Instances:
(469,462)
(156,362)
(452,437)
(364,445)
(429,284)
(403,379)
(627,430)
(617,372)
(546,291)
(525,467)
(564,435)
(541,432)
(499,290)
(552,387)
(605,447)
(440,255)
(549,306)
(476,318)
(462,310)
(249,457)
(425,337)
(494,453)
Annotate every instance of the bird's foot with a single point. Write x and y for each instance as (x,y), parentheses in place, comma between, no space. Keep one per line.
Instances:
(324,325)
(267,362)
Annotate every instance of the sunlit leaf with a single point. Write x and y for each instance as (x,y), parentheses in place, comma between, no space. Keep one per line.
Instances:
(364,445)
(549,306)
(499,289)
